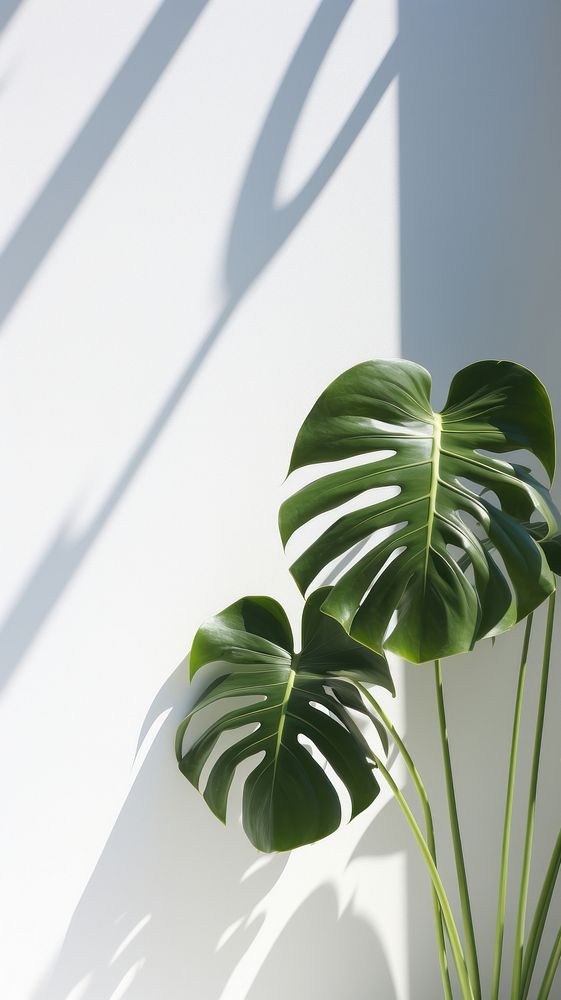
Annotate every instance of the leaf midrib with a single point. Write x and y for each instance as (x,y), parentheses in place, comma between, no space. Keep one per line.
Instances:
(291,686)
(434,478)
(282,720)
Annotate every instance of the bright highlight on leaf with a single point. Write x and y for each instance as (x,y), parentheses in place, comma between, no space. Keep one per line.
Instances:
(288,798)
(454,494)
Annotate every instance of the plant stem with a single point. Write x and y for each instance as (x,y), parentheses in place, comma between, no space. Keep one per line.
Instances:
(551,968)
(531,815)
(455,943)
(505,852)
(538,923)
(417,780)
(471,950)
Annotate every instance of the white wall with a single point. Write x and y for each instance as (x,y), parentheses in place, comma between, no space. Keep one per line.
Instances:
(209,209)
(200,232)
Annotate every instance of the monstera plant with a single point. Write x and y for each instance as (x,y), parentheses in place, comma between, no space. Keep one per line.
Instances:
(438,542)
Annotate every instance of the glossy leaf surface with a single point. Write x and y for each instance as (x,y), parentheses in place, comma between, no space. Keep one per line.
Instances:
(288,798)
(453,500)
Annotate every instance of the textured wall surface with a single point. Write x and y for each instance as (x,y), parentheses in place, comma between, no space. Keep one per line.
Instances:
(209,208)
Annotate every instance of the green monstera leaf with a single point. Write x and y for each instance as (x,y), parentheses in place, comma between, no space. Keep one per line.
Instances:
(452,500)
(288,798)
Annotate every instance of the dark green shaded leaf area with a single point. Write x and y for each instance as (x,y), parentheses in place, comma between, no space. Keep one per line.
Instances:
(467,535)
(552,548)
(288,798)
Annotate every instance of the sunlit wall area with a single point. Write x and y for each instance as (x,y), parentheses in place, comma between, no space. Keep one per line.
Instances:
(200,228)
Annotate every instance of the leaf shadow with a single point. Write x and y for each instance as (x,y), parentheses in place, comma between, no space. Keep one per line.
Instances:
(176,898)
(165,885)
(321,955)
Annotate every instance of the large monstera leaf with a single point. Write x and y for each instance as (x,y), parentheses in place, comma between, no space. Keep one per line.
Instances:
(288,798)
(454,502)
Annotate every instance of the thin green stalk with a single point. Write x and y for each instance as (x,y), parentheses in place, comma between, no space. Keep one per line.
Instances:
(531,815)
(538,923)
(417,780)
(551,968)
(505,852)
(471,949)
(455,943)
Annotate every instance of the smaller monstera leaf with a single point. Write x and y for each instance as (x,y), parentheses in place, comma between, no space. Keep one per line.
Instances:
(288,798)
(410,592)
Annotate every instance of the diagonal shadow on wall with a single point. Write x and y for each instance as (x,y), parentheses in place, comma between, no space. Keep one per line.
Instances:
(7,10)
(257,232)
(92,147)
